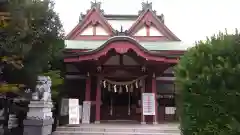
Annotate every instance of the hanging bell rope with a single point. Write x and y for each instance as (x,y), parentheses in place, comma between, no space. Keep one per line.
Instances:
(111,107)
(129,103)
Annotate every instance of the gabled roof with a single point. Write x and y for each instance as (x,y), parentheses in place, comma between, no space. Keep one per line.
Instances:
(149,17)
(121,44)
(94,16)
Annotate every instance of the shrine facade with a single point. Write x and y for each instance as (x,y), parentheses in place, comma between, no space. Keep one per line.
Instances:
(120,67)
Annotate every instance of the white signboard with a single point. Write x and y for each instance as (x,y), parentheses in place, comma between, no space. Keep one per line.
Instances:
(86,112)
(73,111)
(170,110)
(148,103)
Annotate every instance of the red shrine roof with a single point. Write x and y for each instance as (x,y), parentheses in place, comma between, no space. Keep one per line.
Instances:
(149,18)
(122,45)
(147,25)
(93,17)
(145,34)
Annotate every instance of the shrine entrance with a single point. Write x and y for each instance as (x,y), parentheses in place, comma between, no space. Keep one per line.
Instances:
(116,74)
(121,101)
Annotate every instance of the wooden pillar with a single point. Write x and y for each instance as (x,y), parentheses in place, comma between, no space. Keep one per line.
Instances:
(88,88)
(142,91)
(86,112)
(154,90)
(98,100)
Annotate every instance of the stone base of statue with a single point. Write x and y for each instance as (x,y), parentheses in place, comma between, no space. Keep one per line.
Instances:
(39,118)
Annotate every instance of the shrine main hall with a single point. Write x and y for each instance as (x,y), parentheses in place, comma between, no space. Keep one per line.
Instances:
(120,67)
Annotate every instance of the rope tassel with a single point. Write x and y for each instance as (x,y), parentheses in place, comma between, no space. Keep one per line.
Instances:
(140,82)
(126,88)
(109,87)
(115,88)
(120,90)
(131,88)
(136,84)
(104,84)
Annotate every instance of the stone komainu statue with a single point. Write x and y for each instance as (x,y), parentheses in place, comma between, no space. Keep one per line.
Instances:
(43,89)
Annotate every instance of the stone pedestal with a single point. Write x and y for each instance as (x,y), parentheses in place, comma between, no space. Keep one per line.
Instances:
(40,110)
(39,118)
(37,127)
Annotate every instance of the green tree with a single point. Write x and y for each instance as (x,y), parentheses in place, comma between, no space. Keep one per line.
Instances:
(207,78)
(34,34)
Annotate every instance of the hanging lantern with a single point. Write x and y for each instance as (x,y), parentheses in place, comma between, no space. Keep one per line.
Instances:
(104,84)
(131,88)
(115,88)
(109,87)
(126,88)
(120,89)
(136,84)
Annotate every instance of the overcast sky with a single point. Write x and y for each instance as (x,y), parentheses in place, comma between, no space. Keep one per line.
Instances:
(190,20)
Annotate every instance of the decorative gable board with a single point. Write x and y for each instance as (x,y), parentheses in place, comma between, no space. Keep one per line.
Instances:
(141,31)
(101,31)
(148,31)
(94,30)
(150,19)
(93,22)
(87,31)
(153,31)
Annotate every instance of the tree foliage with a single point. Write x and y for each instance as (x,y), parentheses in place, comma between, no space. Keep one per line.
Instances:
(34,34)
(207,77)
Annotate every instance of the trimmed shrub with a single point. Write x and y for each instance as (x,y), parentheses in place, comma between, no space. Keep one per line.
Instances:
(208,81)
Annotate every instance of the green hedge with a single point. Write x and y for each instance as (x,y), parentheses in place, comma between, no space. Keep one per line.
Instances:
(208,79)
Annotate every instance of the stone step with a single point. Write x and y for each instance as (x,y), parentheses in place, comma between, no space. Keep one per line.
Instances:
(146,130)
(108,133)
(118,129)
(122,128)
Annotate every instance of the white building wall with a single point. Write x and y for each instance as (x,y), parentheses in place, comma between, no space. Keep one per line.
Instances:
(154,32)
(100,31)
(88,31)
(141,32)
